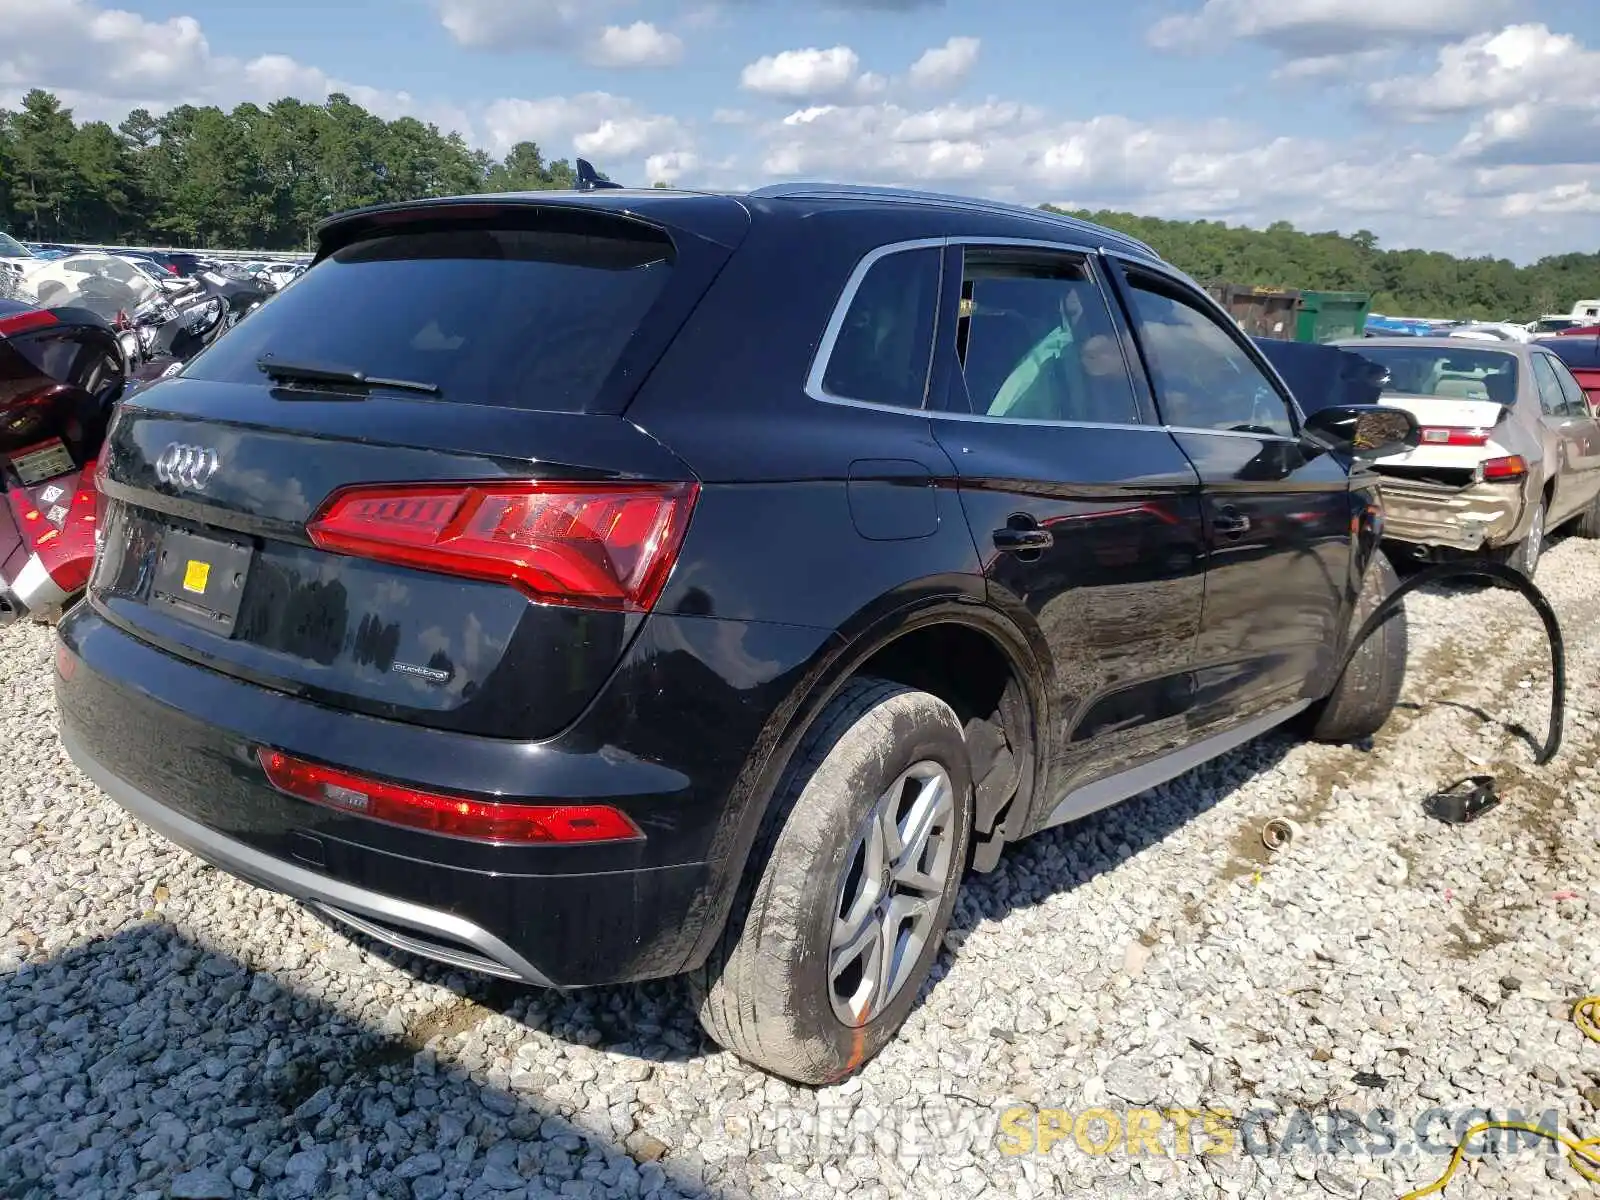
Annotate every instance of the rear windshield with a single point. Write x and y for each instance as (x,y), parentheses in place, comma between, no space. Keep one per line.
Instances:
(11,248)
(514,318)
(1452,374)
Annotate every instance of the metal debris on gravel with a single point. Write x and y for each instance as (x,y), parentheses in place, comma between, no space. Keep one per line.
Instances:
(166,1030)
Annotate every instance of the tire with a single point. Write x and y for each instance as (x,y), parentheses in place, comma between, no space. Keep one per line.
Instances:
(776,990)
(1525,555)
(1368,689)
(1588,525)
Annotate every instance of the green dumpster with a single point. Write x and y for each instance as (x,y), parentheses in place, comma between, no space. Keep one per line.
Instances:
(1328,316)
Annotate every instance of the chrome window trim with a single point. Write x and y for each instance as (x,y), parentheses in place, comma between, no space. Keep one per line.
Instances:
(841,309)
(1233,433)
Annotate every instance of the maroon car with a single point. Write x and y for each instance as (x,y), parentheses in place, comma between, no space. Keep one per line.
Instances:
(61,373)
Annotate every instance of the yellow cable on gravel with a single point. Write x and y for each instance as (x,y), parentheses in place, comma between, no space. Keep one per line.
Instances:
(1583,1156)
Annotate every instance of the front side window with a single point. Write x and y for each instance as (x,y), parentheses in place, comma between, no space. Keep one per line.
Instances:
(1036,341)
(881,352)
(1202,375)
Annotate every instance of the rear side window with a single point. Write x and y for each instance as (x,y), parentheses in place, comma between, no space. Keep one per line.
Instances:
(1551,401)
(513,318)
(1577,403)
(1036,341)
(882,349)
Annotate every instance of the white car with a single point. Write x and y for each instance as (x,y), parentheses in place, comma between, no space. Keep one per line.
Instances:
(1492,331)
(15,258)
(282,275)
(1554,323)
(167,281)
(53,279)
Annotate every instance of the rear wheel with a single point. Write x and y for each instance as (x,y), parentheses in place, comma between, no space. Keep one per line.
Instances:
(1588,525)
(1368,689)
(850,891)
(1524,556)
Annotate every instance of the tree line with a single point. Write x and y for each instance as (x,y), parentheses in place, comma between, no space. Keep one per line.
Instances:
(254,178)
(1419,283)
(262,177)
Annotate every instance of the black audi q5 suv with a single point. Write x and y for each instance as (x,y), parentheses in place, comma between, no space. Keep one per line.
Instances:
(589,587)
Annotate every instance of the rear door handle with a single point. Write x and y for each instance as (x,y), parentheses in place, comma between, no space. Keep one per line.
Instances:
(1230,522)
(1023,539)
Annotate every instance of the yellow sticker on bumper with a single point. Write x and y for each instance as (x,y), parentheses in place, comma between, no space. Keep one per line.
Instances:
(195,576)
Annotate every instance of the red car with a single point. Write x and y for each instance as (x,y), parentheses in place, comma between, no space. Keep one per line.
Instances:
(61,374)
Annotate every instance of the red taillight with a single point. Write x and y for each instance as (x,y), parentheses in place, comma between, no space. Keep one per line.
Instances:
(1498,470)
(1453,435)
(24,321)
(455,816)
(594,545)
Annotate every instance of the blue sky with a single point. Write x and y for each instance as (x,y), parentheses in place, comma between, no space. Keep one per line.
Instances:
(1466,125)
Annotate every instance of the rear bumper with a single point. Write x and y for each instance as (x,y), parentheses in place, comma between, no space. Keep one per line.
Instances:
(174,743)
(1472,518)
(431,932)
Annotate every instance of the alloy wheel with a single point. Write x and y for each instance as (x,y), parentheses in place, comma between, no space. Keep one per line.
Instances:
(889,897)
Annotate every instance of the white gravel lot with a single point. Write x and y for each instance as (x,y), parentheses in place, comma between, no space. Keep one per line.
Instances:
(166,1030)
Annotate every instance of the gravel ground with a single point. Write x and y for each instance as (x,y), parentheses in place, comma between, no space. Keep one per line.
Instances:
(166,1030)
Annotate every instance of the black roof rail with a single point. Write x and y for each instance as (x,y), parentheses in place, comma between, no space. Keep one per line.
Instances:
(862,191)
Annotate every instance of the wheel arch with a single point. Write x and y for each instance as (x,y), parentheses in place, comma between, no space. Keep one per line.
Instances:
(900,642)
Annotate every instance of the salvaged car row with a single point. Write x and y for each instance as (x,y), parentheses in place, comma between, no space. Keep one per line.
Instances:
(638,583)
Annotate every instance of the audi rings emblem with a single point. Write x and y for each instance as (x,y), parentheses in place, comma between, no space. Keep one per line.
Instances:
(187,466)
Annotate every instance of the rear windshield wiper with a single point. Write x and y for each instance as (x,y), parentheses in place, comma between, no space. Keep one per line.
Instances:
(338,377)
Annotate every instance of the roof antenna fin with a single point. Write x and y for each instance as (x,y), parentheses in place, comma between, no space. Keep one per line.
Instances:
(590,180)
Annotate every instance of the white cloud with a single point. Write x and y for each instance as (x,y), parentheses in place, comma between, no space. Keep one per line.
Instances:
(835,74)
(670,167)
(592,123)
(1519,63)
(807,74)
(1318,28)
(1534,96)
(1216,170)
(518,24)
(1580,198)
(947,65)
(638,45)
(1330,68)
(1538,132)
(104,62)
(74,45)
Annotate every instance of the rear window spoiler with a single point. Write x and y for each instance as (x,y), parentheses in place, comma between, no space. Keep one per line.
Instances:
(721,221)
